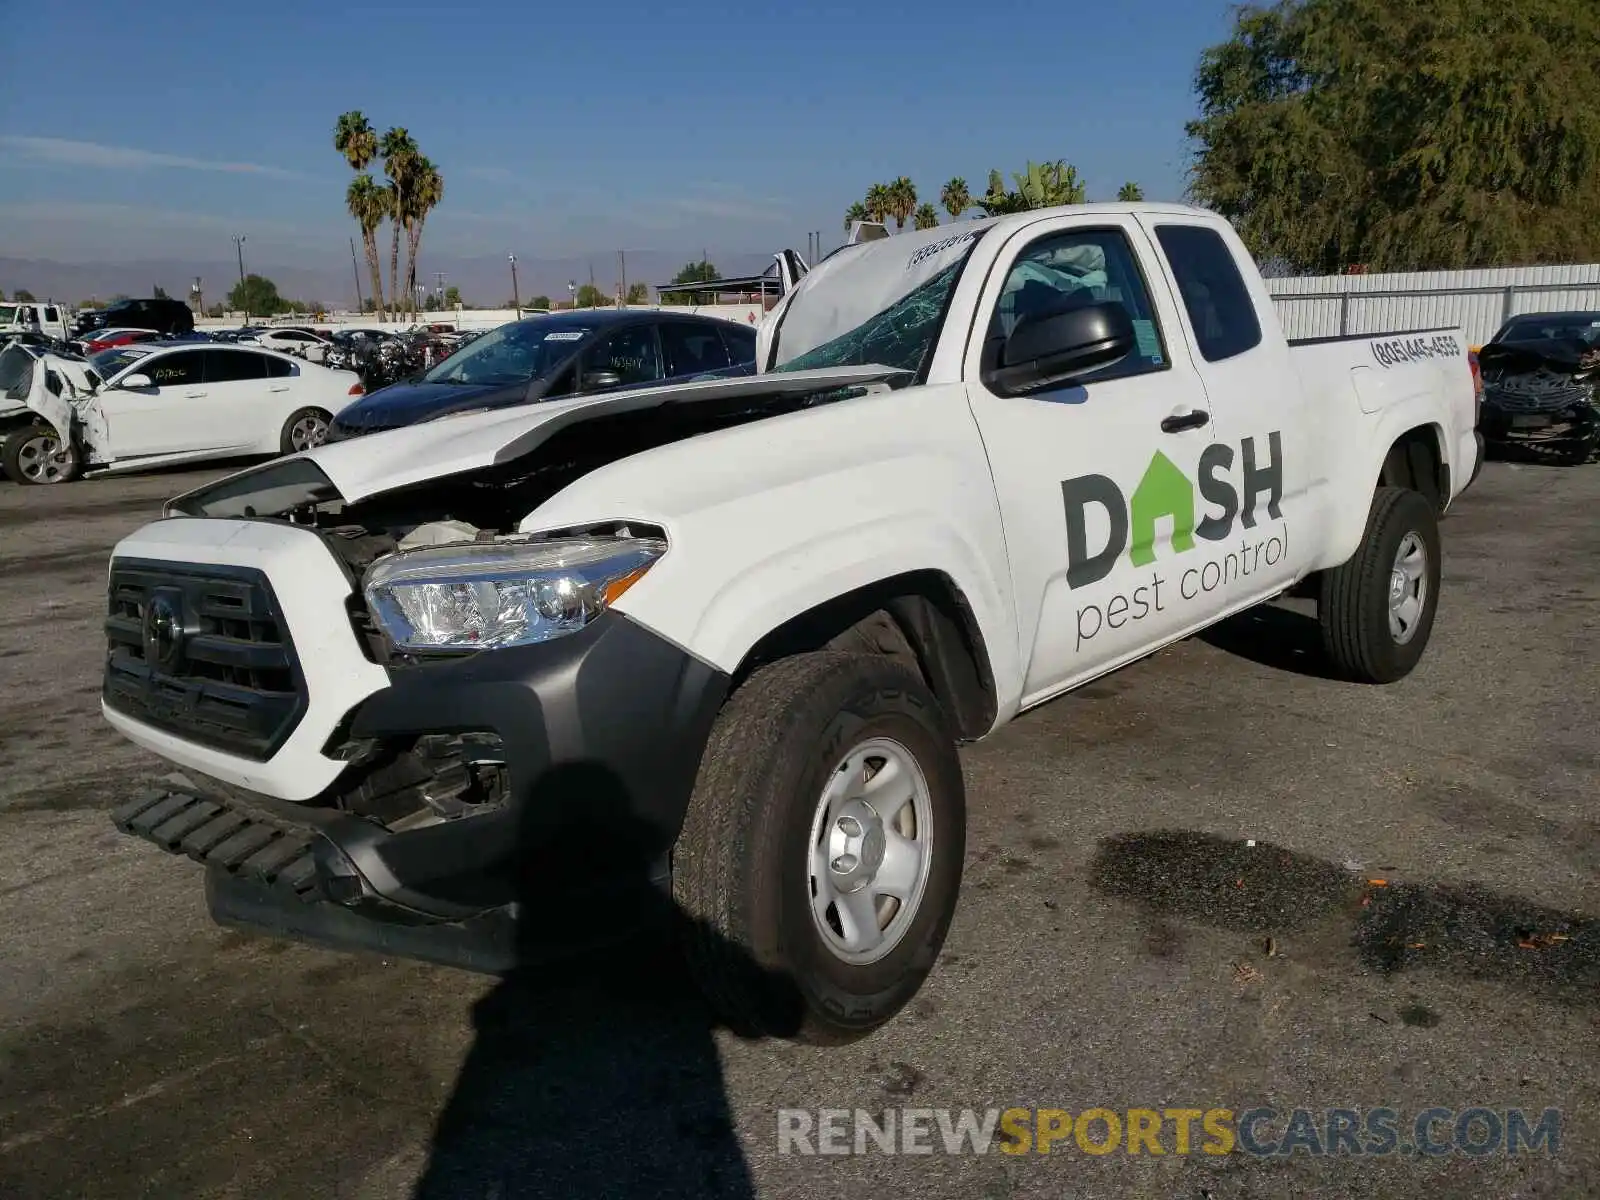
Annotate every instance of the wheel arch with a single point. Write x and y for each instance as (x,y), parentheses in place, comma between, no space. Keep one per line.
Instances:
(920,618)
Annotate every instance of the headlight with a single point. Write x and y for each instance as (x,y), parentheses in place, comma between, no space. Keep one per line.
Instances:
(483,596)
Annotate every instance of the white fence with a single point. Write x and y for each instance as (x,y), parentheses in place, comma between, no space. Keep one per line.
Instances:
(1478,301)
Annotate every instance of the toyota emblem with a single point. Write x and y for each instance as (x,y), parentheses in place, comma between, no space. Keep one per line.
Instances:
(163,633)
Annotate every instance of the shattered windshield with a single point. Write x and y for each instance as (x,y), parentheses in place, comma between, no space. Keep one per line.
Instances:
(901,336)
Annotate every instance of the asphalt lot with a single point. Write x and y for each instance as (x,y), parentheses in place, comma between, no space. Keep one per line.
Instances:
(1110,948)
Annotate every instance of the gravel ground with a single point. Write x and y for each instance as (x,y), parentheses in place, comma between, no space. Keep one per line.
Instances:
(1111,949)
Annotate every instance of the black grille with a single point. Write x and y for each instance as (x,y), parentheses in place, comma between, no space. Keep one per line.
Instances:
(204,653)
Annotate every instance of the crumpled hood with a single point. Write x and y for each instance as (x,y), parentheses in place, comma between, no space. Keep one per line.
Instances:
(408,403)
(396,458)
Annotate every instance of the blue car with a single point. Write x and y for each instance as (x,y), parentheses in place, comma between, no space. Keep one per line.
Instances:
(548,357)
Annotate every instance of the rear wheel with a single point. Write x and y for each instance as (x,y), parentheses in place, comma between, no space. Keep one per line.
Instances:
(37,455)
(821,855)
(304,430)
(1376,610)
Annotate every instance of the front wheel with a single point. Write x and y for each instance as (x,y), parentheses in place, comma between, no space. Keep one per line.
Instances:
(821,855)
(1376,610)
(304,430)
(37,455)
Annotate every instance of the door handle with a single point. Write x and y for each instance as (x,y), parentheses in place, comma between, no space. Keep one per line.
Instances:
(1178,422)
(193,395)
(279,389)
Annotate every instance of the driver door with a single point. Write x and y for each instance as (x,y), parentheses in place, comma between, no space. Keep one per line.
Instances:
(1093,477)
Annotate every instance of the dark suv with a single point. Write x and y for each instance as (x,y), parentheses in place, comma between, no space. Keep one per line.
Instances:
(547,357)
(162,316)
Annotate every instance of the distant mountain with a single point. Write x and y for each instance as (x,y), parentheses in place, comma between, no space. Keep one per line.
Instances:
(484,281)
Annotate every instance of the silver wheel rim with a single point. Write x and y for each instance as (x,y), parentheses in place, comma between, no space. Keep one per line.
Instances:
(1408,589)
(308,432)
(43,460)
(870,851)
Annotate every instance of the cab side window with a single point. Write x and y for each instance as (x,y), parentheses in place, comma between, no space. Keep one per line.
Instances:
(1082,267)
(1214,293)
(234,366)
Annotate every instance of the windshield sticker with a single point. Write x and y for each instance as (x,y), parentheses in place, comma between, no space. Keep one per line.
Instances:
(569,335)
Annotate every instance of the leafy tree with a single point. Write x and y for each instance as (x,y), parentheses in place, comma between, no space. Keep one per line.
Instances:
(1130,193)
(955,197)
(216,310)
(24,296)
(452,297)
(590,296)
(1405,137)
(638,293)
(537,302)
(1041,185)
(258,296)
(926,216)
(695,272)
(856,212)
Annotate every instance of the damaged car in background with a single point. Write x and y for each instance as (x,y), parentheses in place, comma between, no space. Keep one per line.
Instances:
(1541,385)
(158,404)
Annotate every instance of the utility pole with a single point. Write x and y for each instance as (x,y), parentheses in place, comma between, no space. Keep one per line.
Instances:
(516,297)
(238,245)
(622,279)
(361,305)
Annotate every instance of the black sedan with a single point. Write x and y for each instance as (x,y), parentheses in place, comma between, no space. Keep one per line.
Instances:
(549,357)
(1541,385)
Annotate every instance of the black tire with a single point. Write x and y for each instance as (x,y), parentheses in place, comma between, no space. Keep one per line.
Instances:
(1353,602)
(740,869)
(19,456)
(286,439)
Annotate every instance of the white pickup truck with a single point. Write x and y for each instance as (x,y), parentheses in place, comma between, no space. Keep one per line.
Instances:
(441,691)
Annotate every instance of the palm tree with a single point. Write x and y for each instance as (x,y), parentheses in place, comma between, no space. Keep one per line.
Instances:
(926,216)
(354,137)
(902,201)
(369,205)
(856,212)
(1130,193)
(877,202)
(426,192)
(955,197)
(399,152)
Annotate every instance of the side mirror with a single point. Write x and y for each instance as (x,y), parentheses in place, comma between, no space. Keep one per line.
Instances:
(594,381)
(135,382)
(1058,345)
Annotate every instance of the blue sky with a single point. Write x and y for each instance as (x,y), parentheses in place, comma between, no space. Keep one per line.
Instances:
(568,128)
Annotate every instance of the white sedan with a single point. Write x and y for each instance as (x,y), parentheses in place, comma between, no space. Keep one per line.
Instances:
(293,341)
(158,404)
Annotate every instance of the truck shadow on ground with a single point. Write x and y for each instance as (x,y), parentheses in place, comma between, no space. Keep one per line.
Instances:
(594,1070)
(1387,927)
(1273,636)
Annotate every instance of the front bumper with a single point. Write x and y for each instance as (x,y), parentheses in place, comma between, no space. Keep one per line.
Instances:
(598,739)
